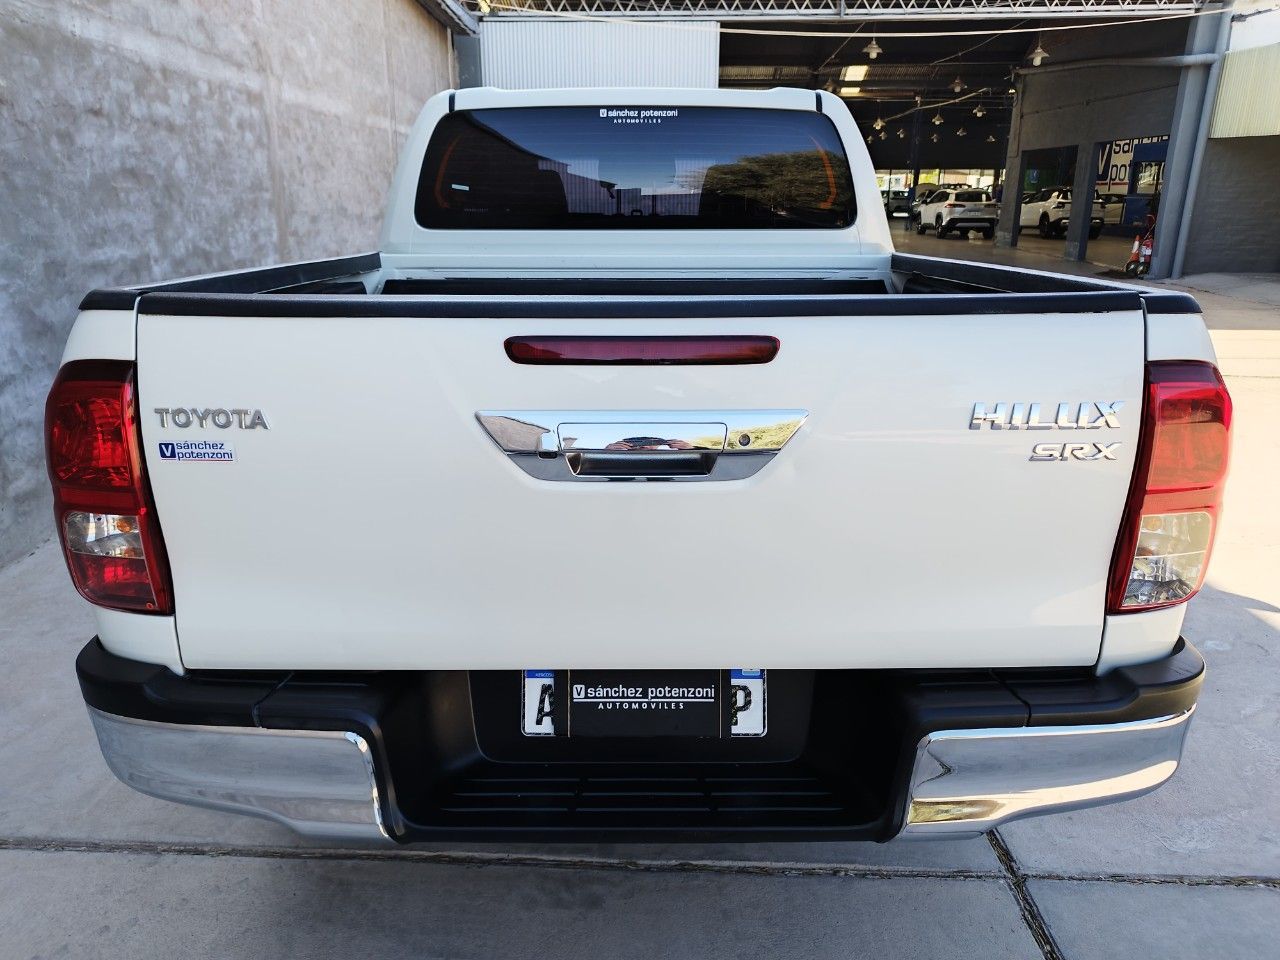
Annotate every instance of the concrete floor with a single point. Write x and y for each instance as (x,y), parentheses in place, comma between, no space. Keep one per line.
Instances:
(1107,252)
(89,868)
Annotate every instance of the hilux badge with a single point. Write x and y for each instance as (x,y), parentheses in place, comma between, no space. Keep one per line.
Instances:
(1089,415)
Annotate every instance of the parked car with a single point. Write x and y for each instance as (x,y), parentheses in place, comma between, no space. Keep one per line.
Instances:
(926,191)
(615,498)
(1112,207)
(959,211)
(896,203)
(1049,210)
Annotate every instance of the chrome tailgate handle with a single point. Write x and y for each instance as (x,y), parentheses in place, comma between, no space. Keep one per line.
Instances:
(633,450)
(641,445)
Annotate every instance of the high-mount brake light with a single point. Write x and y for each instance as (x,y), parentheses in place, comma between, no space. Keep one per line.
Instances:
(102,505)
(1172,513)
(712,349)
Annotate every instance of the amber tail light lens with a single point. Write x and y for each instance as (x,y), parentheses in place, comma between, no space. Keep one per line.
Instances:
(102,505)
(1172,513)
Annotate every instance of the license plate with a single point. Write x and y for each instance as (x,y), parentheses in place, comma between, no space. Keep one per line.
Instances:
(644,703)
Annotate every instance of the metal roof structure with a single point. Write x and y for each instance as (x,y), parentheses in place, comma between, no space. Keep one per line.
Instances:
(825,9)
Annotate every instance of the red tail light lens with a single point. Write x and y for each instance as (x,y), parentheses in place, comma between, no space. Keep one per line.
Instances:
(102,506)
(642,350)
(1172,513)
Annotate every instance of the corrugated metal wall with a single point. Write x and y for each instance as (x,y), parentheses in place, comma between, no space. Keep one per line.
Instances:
(521,54)
(1246,94)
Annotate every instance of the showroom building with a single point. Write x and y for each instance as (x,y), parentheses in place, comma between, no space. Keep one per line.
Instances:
(1157,105)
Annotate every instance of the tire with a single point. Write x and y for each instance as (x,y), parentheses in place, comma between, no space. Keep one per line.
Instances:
(1131,268)
(939,230)
(988,233)
(1046,228)
(920,227)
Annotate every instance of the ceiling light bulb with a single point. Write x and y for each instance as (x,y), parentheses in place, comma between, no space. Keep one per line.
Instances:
(901,133)
(879,124)
(872,49)
(962,132)
(990,138)
(935,138)
(869,139)
(1038,54)
(937,119)
(957,85)
(884,135)
(979,110)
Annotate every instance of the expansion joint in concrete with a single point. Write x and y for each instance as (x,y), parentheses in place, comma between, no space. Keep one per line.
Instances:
(1027,906)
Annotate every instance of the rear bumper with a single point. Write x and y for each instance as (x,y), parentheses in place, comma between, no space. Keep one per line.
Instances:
(966,782)
(849,755)
(318,783)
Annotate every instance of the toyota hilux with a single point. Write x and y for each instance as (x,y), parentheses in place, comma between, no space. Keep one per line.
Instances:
(636,488)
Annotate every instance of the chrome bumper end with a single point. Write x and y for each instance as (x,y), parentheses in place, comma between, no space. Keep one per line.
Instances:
(966,782)
(320,784)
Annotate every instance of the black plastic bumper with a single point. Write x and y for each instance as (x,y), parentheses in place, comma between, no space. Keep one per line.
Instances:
(450,763)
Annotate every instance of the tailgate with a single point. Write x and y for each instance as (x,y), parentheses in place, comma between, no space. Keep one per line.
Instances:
(373,521)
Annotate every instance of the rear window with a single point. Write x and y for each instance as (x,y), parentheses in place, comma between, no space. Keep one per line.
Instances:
(973,196)
(576,168)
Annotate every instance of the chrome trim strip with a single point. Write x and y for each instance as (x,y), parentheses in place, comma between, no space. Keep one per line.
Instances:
(966,782)
(318,783)
(641,444)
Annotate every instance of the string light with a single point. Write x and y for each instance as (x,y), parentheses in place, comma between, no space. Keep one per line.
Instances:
(979,110)
(879,124)
(872,49)
(935,138)
(718,28)
(937,119)
(957,85)
(990,138)
(962,132)
(901,133)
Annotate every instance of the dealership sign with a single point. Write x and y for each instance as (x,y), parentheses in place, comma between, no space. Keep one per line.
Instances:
(1116,158)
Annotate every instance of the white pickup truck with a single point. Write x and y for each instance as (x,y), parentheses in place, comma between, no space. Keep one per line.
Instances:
(635,488)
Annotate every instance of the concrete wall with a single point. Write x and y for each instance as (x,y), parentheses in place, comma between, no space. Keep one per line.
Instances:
(1235,201)
(141,140)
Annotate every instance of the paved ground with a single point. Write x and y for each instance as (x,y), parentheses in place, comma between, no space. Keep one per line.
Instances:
(91,869)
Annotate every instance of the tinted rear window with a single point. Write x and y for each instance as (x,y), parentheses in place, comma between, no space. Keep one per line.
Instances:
(973,196)
(575,168)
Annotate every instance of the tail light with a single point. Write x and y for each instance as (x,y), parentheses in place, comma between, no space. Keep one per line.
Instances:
(102,506)
(950,206)
(642,350)
(1172,513)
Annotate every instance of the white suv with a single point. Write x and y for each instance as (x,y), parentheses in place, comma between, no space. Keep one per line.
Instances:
(1050,210)
(959,210)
